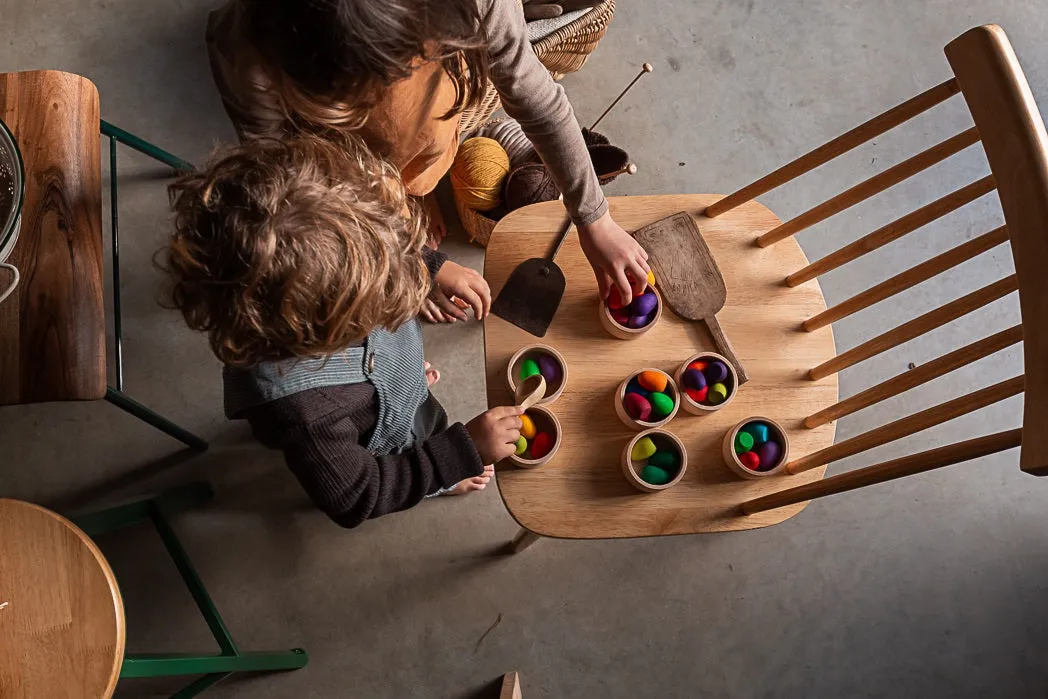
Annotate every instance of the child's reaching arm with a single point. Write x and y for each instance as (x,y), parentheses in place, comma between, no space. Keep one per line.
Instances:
(322,433)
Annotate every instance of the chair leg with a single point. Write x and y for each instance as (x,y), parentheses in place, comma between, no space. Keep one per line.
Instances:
(523,540)
(170,502)
(143,146)
(175,664)
(128,405)
(199,685)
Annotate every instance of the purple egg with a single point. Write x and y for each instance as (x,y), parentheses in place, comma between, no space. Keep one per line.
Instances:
(638,321)
(644,304)
(693,378)
(716,371)
(549,368)
(769,454)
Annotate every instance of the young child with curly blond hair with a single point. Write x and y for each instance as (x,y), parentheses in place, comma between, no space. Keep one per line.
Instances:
(303,260)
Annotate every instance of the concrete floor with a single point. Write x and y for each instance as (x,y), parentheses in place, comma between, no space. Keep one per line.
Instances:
(930,587)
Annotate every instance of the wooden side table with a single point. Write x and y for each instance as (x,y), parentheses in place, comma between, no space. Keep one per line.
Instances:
(62,626)
(581,493)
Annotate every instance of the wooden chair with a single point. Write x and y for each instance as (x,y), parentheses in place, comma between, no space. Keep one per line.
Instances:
(52,329)
(1009,128)
(62,625)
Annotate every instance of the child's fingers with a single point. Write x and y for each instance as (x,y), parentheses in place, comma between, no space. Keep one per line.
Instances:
(484,292)
(471,297)
(623,283)
(449,307)
(502,411)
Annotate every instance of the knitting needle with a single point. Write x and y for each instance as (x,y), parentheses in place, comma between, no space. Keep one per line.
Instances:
(630,169)
(646,68)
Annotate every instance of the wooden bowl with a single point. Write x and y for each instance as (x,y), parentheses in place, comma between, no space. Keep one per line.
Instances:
(545,421)
(691,406)
(732,459)
(553,388)
(621,331)
(663,439)
(628,421)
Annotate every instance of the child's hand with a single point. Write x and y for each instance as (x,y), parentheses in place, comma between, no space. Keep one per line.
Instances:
(495,433)
(462,282)
(617,259)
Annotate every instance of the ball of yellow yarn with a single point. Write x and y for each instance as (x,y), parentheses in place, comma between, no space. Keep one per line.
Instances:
(478,171)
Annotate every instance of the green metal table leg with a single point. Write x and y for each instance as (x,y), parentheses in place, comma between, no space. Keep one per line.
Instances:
(168,665)
(118,332)
(175,500)
(143,146)
(196,687)
(127,404)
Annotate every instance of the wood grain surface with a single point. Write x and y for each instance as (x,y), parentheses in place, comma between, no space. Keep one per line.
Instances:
(52,329)
(1016,145)
(582,493)
(61,615)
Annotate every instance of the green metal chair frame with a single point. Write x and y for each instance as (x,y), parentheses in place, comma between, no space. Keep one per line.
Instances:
(214,668)
(116,395)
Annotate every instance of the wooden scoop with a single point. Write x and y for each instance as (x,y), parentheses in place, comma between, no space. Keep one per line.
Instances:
(530,391)
(688,276)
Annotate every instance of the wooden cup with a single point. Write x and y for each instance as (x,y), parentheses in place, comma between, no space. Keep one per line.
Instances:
(528,395)
(632,470)
(553,389)
(621,331)
(691,406)
(620,409)
(732,459)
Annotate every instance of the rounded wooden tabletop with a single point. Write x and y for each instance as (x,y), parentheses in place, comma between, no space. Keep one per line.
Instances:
(582,493)
(61,615)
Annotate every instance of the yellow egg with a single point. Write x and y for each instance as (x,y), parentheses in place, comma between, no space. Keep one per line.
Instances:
(651,278)
(527,427)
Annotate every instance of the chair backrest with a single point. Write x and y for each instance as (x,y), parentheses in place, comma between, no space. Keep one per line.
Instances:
(1009,127)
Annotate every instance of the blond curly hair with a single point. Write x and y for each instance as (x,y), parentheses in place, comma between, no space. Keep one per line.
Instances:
(294,248)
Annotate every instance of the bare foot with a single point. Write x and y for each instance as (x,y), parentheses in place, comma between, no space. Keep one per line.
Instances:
(437,227)
(470,485)
(432,375)
(433,313)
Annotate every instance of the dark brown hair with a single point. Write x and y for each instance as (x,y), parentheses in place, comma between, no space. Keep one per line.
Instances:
(329,59)
(294,248)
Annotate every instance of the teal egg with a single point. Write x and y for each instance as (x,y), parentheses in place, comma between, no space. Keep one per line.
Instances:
(654,475)
(666,460)
(759,431)
(661,404)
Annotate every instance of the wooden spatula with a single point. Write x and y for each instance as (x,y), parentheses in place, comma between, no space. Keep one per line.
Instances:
(688,276)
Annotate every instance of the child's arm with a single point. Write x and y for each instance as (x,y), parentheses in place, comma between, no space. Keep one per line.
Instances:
(322,433)
(530,95)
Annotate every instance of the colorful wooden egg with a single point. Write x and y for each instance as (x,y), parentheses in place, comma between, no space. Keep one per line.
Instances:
(614,300)
(759,431)
(528,368)
(637,406)
(697,396)
(634,387)
(521,446)
(651,278)
(743,441)
(750,460)
(541,445)
(644,304)
(620,316)
(716,371)
(652,380)
(661,404)
(643,449)
(699,365)
(527,427)
(666,459)
(693,378)
(549,368)
(768,455)
(717,394)
(654,475)
(638,321)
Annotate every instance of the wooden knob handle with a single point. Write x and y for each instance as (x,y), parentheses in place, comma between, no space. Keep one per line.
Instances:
(631,169)
(647,67)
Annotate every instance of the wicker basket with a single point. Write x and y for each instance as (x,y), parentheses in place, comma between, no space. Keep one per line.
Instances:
(562,52)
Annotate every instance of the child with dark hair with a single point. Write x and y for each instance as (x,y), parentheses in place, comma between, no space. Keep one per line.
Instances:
(302,259)
(399,73)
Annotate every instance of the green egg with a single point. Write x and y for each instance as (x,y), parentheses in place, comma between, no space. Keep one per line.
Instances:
(529,367)
(661,404)
(743,442)
(666,460)
(522,446)
(654,475)
(643,449)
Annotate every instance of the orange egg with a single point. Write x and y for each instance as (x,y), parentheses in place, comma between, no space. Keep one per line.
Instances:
(652,380)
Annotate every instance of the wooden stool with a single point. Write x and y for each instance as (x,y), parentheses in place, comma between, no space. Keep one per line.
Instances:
(62,626)
(782,330)
(52,328)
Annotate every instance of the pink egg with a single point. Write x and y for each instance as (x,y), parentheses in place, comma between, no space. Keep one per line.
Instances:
(637,406)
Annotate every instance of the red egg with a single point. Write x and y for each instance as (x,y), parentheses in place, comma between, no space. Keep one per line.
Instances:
(614,300)
(637,406)
(620,316)
(749,459)
(699,396)
(541,445)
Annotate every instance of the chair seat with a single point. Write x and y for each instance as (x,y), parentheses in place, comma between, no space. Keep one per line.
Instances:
(52,329)
(61,616)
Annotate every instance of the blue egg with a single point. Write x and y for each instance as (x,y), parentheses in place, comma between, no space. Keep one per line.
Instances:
(716,371)
(693,378)
(638,321)
(634,387)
